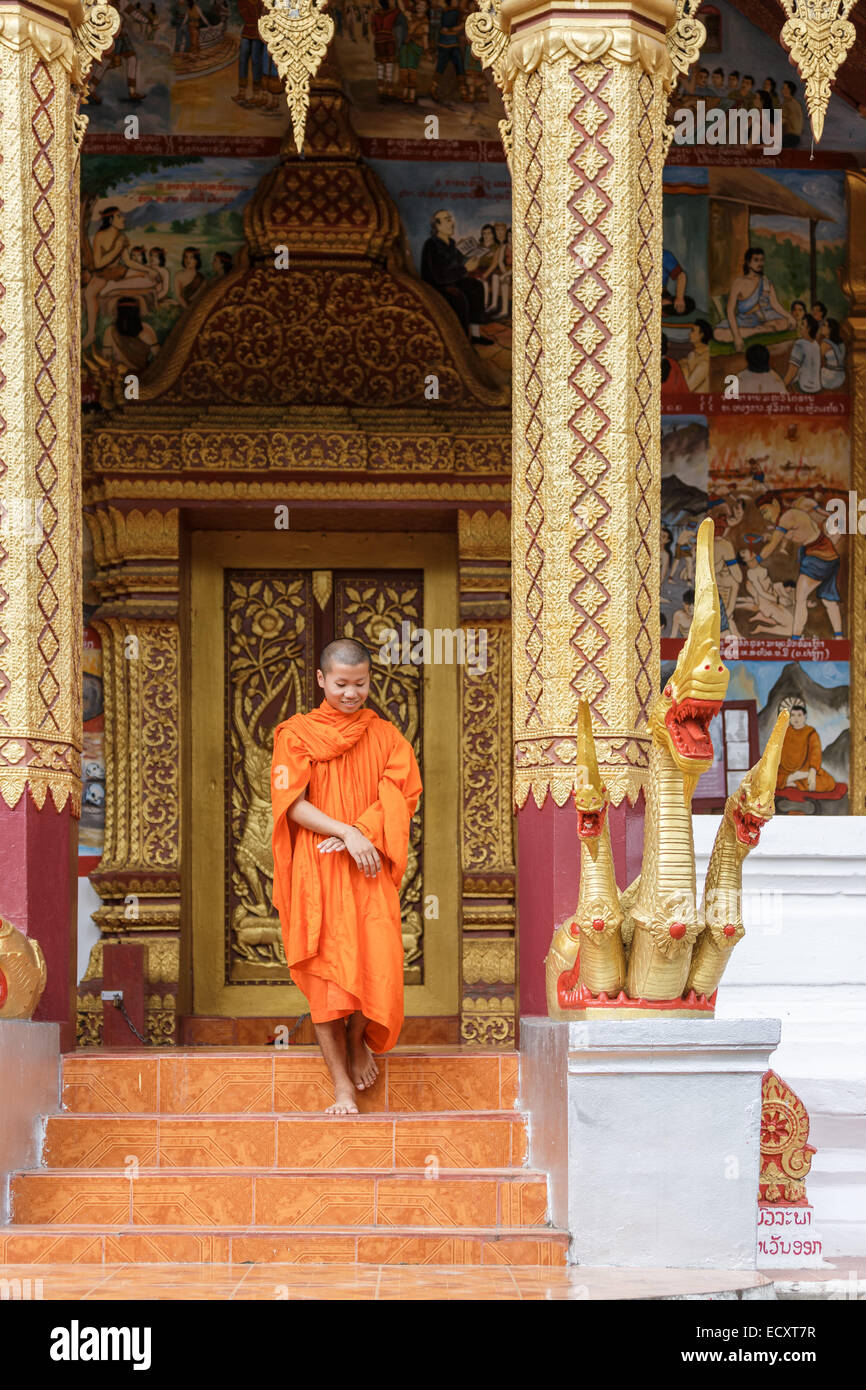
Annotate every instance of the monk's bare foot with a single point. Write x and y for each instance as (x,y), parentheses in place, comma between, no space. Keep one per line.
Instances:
(344,1102)
(362,1064)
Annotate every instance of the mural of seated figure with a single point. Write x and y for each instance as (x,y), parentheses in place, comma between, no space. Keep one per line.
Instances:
(801,776)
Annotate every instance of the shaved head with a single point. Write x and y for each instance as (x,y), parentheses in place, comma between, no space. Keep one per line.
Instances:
(344,652)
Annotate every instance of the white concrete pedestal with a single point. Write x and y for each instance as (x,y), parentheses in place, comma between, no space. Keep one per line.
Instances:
(29,1089)
(650,1132)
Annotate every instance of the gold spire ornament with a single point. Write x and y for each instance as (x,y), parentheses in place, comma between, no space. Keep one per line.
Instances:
(818,35)
(297,34)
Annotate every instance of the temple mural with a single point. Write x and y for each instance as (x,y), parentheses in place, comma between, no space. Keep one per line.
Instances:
(742,67)
(156,234)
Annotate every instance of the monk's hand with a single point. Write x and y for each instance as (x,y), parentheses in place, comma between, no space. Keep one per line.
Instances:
(332,844)
(363,851)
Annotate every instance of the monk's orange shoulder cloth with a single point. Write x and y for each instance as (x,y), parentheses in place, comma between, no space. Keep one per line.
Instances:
(360,770)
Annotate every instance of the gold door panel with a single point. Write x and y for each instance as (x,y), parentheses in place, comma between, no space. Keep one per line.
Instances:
(260,605)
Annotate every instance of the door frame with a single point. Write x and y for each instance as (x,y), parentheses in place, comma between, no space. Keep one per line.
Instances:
(210,553)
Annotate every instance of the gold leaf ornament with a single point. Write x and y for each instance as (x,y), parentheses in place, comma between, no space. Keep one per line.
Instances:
(94,35)
(818,35)
(297,33)
(490,42)
(686,36)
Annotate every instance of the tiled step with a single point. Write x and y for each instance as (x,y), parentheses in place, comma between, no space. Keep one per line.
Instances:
(225,1156)
(476,1139)
(237,1081)
(339,1197)
(397,1245)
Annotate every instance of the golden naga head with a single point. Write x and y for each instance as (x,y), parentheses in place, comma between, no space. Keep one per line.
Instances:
(680,717)
(754,801)
(590,797)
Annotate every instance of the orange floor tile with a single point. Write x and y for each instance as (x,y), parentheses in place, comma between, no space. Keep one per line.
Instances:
(442,1282)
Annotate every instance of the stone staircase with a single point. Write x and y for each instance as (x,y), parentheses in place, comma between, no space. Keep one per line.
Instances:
(224,1156)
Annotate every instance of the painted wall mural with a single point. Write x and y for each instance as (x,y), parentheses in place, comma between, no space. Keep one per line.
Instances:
(156,233)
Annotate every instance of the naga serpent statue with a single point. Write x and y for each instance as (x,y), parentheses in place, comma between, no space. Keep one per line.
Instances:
(586,955)
(650,947)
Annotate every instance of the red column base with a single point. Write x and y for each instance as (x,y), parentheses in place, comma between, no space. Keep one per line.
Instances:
(39,895)
(548,878)
(123,970)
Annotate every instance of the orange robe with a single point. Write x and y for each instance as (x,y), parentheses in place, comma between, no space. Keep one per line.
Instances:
(341,930)
(801,750)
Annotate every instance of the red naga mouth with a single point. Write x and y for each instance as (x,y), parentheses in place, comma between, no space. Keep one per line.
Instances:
(748,827)
(590,823)
(688,724)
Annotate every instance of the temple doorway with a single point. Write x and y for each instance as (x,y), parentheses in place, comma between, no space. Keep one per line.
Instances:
(261,608)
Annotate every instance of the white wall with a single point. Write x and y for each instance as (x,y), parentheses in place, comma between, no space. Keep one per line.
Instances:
(803,960)
(88,932)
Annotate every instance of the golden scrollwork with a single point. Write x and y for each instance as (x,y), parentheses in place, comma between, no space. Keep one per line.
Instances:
(485,757)
(686,36)
(489,39)
(90,39)
(297,33)
(89,1029)
(818,35)
(93,35)
(160,1019)
(487,1021)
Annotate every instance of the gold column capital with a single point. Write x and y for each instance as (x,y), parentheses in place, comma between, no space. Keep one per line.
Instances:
(654,15)
(516,36)
(70,32)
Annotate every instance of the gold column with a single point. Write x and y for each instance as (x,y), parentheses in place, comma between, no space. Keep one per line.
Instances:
(45,54)
(138,876)
(487,822)
(586,90)
(854,284)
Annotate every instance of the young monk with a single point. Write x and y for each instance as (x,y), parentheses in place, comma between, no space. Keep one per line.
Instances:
(344,788)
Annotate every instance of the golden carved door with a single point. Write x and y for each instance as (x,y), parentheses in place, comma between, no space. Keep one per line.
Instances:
(261,608)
